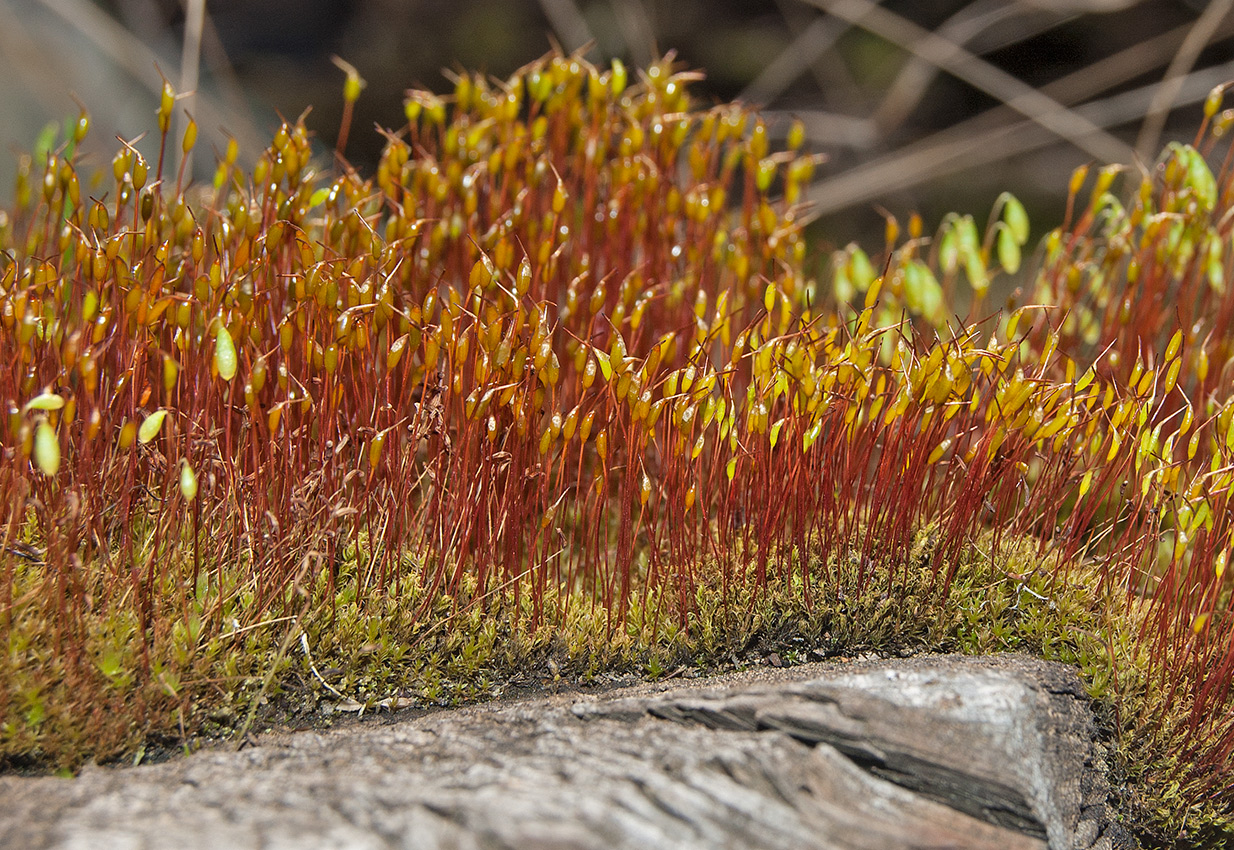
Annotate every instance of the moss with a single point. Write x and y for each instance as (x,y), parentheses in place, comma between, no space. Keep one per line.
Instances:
(553,396)
(377,654)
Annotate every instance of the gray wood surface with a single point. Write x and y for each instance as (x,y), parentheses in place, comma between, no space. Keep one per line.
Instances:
(929,752)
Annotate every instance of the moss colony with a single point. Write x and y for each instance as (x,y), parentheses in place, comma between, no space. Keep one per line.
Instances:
(561,390)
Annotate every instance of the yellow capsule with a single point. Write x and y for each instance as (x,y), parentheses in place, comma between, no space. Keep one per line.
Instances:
(94,424)
(190,136)
(82,127)
(395,352)
(939,451)
(151,426)
(140,171)
(46,449)
(1077,179)
(374,450)
(872,294)
(796,135)
(623,385)
(188,481)
(257,375)
(522,281)
(1051,345)
(45,401)
(1176,344)
(166,103)
(618,77)
(225,354)
(1171,376)
(431,352)
(774,435)
(1086,482)
(128,434)
(891,230)
(1085,379)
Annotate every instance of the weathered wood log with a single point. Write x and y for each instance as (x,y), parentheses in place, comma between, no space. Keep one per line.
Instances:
(929,752)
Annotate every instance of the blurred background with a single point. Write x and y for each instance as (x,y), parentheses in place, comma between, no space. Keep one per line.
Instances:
(920,106)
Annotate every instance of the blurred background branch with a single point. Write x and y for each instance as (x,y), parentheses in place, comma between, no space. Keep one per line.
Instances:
(928,106)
